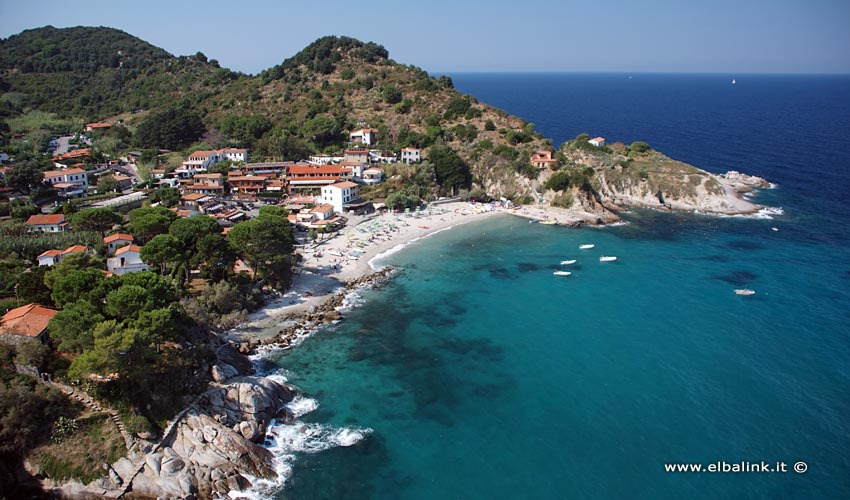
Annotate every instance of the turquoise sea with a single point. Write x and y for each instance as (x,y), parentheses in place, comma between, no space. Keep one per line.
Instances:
(478,374)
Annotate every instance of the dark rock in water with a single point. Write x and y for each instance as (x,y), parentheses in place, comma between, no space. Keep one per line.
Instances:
(501,273)
(744,245)
(357,355)
(527,267)
(737,278)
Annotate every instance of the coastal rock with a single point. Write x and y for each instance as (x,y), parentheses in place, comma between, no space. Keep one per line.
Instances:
(744,183)
(222,372)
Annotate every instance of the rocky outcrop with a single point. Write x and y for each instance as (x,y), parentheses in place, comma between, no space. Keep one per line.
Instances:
(215,447)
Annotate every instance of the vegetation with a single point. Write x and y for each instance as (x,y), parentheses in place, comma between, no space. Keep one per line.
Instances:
(172,129)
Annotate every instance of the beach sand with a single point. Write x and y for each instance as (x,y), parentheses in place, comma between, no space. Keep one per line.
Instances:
(329,264)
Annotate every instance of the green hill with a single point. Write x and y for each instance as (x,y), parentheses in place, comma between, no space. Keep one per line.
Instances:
(306,104)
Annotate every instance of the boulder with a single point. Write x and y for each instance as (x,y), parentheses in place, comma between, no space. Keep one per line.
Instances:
(222,372)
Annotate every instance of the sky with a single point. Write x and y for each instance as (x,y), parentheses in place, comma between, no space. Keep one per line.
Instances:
(712,36)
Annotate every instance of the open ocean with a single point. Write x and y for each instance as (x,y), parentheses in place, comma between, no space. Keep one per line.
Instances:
(477,374)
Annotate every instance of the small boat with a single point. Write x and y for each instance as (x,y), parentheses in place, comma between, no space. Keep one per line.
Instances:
(733,81)
(587,246)
(568,262)
(607,258)
(745,291)
(549,222)
(775,228)
(562,273)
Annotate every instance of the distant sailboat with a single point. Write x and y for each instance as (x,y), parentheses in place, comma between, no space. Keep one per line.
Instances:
(733,81)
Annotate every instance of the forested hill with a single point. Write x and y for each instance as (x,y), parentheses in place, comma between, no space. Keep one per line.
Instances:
(306,104)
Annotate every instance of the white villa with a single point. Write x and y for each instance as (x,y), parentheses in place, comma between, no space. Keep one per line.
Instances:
(340,195)
(68,182)
(411,155)
(127,260)
(597,141)
(367,136)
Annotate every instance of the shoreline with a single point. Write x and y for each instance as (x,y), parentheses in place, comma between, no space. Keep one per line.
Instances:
(332,268)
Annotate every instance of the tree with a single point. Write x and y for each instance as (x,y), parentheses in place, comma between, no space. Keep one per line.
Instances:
(172,129)
(321,130)
(127,302)
(116,350)
(161,291)
(30,287)
(266,242)
(96,219)
(160,251)
(639,147)
(70,329)
(213,256)
(166,196)
(188,232)
(81,284)
(108,184)
(489,125)
(391,94)
(145,223)
(451,171)
(24,176)
(275,210)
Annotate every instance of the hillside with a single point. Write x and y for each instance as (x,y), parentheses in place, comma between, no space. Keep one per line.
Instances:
(304,105)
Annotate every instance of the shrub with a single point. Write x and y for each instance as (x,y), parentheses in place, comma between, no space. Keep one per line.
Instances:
(639,147)
(489,125)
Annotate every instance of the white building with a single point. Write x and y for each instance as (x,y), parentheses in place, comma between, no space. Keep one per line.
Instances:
(340,195)
(372,176)
(116,241)
(52,223)
(367,136)
(411,155)
(127,260)
(597,141)
(233,154)
(68,182)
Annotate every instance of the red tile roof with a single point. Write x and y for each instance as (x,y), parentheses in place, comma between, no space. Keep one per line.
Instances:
(117,237)
(50,253)
(66,171)
(98,125)
(128,248)
(74,249)
(29,320)
(343,185)
(45,220)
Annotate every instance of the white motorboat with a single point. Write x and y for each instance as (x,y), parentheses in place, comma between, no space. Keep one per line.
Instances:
(562,273)
(568,262)
(745,291)
(607,258)
(586,246)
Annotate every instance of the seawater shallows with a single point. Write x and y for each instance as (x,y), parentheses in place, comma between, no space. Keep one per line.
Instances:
(482,375)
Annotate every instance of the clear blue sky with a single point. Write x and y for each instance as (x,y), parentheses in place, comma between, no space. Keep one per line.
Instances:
(729,36)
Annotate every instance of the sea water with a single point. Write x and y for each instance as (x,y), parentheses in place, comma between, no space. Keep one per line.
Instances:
(477,373)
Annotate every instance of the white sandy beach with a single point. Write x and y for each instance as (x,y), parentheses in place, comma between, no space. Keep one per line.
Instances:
(348,254)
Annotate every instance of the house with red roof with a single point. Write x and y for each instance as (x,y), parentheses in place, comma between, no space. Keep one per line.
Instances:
(53,223)
(26,323)
(542,158)
(597,141)
(68,182)
(306,176)
(90,127)
(127,260)
(115,241)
